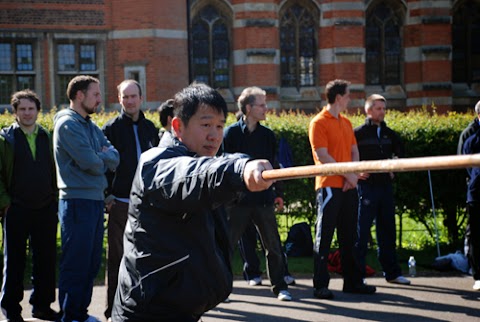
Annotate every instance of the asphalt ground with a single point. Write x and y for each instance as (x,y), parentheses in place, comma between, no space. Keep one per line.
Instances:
(429,298)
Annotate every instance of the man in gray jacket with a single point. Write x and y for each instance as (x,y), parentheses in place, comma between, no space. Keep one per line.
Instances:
(82,156)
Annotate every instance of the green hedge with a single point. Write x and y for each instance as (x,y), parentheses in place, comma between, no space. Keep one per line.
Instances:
(425,134)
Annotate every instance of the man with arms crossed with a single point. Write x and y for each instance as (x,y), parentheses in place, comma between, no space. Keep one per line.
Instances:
(82,156)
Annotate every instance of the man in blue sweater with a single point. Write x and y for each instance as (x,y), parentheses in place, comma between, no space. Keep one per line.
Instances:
(82,156)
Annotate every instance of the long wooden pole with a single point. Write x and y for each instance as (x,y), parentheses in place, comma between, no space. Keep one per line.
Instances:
(391,165)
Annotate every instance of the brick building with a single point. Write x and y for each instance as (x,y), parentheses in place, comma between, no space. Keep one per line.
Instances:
(414,52)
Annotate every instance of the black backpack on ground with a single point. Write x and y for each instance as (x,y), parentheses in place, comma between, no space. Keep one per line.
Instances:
(299,241)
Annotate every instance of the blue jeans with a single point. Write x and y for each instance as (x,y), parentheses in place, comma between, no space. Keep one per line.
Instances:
(376,203)
(81,224)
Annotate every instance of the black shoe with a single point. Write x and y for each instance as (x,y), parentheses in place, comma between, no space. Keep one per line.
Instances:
(15,318)
(322,293)
(359,289)
(45,314)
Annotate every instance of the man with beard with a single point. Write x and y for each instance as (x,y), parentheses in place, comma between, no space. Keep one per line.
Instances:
(82,156)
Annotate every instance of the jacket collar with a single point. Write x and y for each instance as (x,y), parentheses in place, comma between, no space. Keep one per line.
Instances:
(244,127)
(170,141)
(369,122)
(9,132)
(128,119)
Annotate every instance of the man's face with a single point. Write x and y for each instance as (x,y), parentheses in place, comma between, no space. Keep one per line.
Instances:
(204,132)
(257,111)
(26,113)
(91,99)
(130,99)
(377,111)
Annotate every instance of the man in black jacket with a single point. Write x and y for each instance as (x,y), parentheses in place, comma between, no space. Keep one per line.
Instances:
(250,137)
(176,262)
(131,134)
(376,141)
(28,203)
(469,143)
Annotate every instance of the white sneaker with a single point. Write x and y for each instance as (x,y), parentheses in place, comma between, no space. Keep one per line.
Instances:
(255,281)
(400,280)
(476,285)
(290,280)
(284,295)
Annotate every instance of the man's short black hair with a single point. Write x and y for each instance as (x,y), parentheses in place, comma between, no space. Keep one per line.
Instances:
(188,100)
(334,88)
(165,110)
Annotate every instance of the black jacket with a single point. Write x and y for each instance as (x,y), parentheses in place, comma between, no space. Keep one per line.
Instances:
(471,128)
(176,263)
(373,147)
(259,144)
(119,131)
(472,146)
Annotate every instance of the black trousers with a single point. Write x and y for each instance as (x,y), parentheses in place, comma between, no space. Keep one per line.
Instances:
(472,239)
(117,220)
(336,210)
(38,227)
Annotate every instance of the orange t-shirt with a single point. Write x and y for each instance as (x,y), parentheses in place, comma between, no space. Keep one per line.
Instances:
(337,136)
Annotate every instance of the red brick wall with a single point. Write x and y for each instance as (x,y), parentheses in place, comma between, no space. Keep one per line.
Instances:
(163,48)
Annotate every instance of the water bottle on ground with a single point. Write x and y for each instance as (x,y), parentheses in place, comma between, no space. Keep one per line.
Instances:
(412,266)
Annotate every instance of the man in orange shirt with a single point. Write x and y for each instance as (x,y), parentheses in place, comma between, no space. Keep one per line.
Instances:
(333,140)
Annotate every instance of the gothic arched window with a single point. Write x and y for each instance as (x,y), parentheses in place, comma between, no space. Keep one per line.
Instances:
(210,48)
(383,46)
(298,47)
(466,44)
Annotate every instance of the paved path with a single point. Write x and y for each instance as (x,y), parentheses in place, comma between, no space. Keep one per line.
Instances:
(427,299)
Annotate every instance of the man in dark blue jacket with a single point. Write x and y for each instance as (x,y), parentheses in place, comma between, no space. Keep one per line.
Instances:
(472,235)
(131,134)
(176,262)
(376,141)
(250,137)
